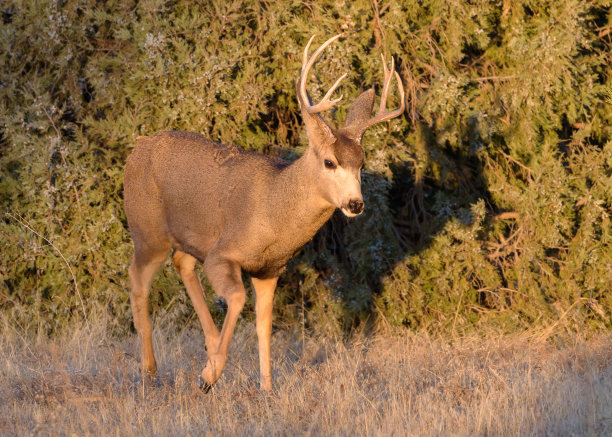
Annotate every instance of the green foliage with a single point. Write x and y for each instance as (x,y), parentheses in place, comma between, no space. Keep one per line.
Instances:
(487,205)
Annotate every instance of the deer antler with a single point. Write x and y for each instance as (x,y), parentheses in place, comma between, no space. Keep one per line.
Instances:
(381,115)
(307,64)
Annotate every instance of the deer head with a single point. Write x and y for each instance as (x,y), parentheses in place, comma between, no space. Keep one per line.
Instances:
(338,153)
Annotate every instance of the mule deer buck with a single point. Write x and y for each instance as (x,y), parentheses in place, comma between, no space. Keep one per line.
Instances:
(238,211)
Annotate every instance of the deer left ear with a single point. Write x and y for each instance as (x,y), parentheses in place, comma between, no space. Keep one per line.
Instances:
(358,115)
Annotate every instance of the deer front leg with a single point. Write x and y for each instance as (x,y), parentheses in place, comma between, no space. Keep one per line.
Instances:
(224,276)
(185,264)
(264,291)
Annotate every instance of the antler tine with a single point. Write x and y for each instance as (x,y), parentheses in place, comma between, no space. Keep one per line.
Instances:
(386,82)
(381,115)
(305,56)
(307,64)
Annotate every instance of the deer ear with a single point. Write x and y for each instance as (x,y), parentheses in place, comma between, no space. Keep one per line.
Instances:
(318,131)
(359,114)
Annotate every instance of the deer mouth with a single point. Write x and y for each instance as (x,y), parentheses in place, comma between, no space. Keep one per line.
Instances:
(353,209)
(348,213)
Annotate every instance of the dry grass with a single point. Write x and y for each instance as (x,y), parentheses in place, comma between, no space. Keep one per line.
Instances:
(85,383)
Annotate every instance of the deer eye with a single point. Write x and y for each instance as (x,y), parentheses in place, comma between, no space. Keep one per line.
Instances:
(329,164)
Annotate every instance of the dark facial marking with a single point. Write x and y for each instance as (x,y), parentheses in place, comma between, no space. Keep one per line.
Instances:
(348,152)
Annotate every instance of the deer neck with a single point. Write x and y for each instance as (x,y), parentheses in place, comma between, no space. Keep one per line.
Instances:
(299,205)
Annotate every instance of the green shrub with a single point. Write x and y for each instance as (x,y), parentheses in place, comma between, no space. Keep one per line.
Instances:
(487,205)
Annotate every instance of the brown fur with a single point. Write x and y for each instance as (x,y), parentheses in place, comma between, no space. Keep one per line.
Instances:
(234,211)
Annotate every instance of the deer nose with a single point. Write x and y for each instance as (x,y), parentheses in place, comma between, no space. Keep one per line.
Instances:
(356,206)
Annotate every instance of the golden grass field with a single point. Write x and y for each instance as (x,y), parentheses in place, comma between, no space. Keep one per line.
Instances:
(88,383)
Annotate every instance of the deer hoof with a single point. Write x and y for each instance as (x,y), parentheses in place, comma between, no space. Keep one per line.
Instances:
(204,386)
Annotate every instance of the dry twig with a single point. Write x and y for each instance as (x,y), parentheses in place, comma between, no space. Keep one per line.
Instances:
(26,225)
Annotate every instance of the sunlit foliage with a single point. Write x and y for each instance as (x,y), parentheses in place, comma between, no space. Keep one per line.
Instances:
(487,204)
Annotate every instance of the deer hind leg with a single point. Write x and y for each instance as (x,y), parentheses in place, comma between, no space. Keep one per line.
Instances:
(224,275)
(141,273)
(264,295)
(185,263)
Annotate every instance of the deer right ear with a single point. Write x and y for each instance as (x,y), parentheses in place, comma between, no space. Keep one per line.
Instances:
(318,131)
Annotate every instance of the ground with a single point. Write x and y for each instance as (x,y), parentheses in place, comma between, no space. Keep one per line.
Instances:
(88,382)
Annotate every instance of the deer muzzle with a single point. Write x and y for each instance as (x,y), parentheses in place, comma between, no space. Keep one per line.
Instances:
(356,206)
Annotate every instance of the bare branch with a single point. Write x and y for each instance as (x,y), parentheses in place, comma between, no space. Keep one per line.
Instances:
(26,225)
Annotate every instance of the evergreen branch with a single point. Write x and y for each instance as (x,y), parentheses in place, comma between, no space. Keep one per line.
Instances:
(485,78)
(508,215)
(26,225)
